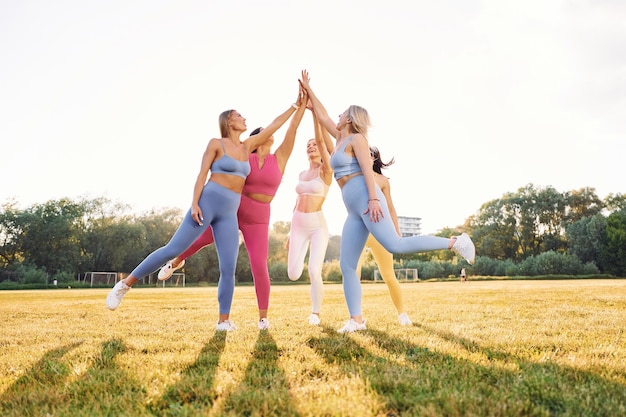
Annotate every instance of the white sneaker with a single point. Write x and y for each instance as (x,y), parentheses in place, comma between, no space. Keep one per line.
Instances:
(225,326)
(116,294)
(314,320)
(167,270)
(352,326)
(465,247)
(264,324)
(404,320)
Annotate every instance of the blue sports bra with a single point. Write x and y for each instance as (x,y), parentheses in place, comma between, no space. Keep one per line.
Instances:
(229,165)
(343,164)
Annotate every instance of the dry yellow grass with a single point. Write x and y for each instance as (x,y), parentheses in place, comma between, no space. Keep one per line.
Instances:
(477,348)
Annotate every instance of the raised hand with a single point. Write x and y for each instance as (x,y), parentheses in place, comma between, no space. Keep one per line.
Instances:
(303,97)
(304,79)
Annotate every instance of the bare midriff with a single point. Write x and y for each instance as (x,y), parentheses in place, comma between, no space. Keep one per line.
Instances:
(309,203)
(261,198)
(232,182)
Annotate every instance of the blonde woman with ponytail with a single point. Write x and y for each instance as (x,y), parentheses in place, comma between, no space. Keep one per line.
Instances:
(367,208)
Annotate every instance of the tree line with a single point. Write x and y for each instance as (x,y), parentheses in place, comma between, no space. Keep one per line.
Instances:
(532,231)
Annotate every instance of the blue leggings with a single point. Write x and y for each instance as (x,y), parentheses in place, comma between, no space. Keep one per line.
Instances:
(356,229)
(219,209)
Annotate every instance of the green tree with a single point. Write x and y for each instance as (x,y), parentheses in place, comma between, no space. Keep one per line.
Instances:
(118,241)
(203,266)
(530,221)
(614,254)
(109,244)
(278,251)
(52,235)
(586,238)
(495,229)
(582,203)
(615,202)
(159,227)
(332,251)
(551,207)
(244,270)
(12,222)
(281,228)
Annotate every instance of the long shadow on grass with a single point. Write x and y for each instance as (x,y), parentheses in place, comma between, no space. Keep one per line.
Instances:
(36,390)
(195,391)
(548,385)
(264,389)
(104,389)
(413,380)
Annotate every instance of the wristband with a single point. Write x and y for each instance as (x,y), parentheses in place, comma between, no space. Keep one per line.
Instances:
(373,199)
(295,106)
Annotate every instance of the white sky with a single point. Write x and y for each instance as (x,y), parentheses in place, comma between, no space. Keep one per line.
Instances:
(473,98)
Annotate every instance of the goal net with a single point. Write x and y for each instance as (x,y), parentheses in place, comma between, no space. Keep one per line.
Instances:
(100,278)
(110,278)
(176,280)
(402,274)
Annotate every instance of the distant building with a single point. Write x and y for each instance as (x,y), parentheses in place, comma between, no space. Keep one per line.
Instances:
(410,226)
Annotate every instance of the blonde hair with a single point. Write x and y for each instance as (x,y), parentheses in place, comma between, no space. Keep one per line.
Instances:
(223,122)
(360,120)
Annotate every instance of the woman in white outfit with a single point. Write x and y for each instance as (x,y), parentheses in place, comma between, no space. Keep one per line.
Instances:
(308,225)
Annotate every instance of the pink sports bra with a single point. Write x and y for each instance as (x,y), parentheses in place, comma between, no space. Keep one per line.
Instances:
(315,186)
(264,180)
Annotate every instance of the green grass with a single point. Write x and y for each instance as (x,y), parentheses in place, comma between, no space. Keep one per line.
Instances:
(483,348)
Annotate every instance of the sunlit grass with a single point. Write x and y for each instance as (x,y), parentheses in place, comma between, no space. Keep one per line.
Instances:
(493,348)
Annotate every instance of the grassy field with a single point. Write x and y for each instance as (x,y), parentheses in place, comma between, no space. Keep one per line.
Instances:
(483,348)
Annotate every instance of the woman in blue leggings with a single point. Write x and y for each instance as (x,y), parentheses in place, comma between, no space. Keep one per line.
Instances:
(215,203)
(366,204)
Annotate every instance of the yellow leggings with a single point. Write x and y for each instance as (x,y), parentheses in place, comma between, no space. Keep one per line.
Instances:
(384,260)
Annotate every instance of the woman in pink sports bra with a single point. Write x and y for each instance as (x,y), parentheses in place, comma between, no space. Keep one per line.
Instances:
(216,199)
(253,215)
(308,225)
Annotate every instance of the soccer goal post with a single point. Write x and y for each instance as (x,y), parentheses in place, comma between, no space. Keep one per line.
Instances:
(176,280)
(100,278)
(402,274)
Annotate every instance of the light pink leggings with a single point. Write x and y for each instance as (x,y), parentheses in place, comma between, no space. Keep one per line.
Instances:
(254,220)
(308,229)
